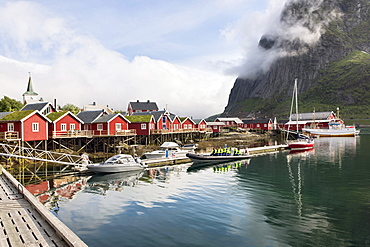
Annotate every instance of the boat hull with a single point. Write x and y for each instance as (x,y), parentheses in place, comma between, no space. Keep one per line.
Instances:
(347,132)
(205,158)
(300,146)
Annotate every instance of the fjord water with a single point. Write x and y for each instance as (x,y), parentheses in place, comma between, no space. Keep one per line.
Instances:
(315,198)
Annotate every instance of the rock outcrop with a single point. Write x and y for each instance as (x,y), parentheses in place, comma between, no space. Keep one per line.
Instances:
(312,35)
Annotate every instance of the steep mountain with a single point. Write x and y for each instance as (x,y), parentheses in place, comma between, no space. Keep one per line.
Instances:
(325,44)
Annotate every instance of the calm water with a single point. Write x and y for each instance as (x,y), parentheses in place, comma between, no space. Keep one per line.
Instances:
(315,198)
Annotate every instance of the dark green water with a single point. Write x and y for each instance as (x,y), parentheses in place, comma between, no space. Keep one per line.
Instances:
(315,198)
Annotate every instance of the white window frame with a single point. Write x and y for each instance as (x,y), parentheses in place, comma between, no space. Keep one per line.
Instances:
(99,127)
(10,127)
(118,126)
(72,126)
(63,127)
(35,127)
(143,126)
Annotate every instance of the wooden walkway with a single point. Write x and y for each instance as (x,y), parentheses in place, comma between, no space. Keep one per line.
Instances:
(24,221)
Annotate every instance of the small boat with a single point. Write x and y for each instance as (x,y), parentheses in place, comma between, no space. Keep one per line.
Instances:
(117,163)
(169,150)
(302,142)
(207,158)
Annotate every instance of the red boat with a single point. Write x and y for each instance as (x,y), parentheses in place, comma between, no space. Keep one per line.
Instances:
(302,144)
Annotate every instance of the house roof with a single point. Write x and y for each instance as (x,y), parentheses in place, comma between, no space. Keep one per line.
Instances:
(144,106)
(139,118)
(54,116)
(37,106)
(215,123)
(21,115)
(156,114)
(311,116)
(108,117)
(90,116)
(17,115)
(198,121)
(3,114)
(228,119)
(258,120)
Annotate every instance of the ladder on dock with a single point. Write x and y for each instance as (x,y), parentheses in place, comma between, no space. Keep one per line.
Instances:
(16,151)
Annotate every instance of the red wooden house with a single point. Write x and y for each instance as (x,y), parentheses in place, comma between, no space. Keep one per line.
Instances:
(200,124)
(175,123)
(216,126)
(162,120)
(142,124)
(26,125)
(187,123)
(111,124)
(88,117)
(313,120)
(141,107)
(64,124)
(259,124)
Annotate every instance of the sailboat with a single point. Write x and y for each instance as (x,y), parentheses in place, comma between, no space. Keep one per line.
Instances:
(302,142)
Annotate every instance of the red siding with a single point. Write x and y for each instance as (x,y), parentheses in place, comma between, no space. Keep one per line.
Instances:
(29,134)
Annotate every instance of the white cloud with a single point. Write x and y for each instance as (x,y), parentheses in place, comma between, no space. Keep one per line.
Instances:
(80,70)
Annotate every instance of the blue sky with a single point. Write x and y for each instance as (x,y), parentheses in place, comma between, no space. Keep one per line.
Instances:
(177,53)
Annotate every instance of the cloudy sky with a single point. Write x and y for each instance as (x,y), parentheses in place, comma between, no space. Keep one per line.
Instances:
(184,55)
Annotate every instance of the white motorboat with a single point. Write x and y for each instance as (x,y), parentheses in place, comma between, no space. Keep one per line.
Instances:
(336,128)
(169,150)
(117,163)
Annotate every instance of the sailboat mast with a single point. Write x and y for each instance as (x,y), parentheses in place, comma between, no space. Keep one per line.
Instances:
(296,102)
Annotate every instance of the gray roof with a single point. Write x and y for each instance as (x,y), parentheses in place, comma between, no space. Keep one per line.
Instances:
(105,118)
(89,116)
(3,114)
(312,116)
(35,106)
(147,106)
(258,120)
(155,114)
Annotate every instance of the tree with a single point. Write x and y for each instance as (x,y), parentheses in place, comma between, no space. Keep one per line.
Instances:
(8,105)
(70,107)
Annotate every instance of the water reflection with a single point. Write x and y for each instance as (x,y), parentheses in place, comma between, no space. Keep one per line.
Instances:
(101,183)
(57,189)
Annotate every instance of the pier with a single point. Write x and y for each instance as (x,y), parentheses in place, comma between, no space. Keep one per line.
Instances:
(24,221)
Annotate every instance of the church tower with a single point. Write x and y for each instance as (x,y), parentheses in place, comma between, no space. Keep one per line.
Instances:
(30,96)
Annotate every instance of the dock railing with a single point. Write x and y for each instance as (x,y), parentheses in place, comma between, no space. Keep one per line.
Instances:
(9,136)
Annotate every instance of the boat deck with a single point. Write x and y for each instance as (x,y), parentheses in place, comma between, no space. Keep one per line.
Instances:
(24,221)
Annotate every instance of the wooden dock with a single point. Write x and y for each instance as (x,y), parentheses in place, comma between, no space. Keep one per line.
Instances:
(24,221)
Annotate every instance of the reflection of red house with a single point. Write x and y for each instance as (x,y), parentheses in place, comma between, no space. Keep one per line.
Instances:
(40,188)
(28,125)
(142,124)
(63,123)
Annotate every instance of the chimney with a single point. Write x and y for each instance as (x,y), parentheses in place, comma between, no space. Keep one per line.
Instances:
(137,101)
(148,101)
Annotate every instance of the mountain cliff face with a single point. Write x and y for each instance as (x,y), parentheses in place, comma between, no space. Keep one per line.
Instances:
(326,46)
